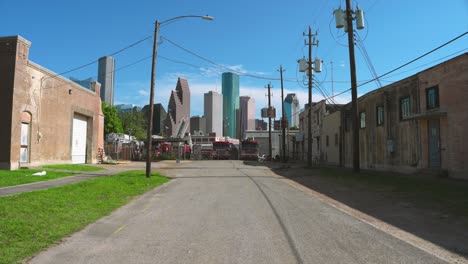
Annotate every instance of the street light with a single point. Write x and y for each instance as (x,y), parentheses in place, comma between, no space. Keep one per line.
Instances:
(153,73)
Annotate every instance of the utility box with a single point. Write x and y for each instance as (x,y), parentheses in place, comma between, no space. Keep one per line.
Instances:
(302,65)
(339,18)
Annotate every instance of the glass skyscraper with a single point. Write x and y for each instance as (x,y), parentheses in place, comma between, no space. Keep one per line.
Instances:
(292,109)
(230,87)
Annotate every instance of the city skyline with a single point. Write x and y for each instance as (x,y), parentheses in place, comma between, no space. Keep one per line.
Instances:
(388,41)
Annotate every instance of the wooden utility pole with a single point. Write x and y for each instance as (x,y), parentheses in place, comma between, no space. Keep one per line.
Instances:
(354,108)
(149,133)
(309,73)
(269,121)
(283,118)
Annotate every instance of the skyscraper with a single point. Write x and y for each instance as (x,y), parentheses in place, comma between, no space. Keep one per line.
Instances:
(247,115)
(106,78)
(230,87)
(198,125)
(292,109)
(178,109)
(159,116)
(214,112)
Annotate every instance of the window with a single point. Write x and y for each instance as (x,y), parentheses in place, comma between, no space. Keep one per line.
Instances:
(327,141)
(404,107)
(336,139)
(362,117)
(432,97)
(380,118)
(24,151)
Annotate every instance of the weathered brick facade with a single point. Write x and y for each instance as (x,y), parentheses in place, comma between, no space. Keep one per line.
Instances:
(47,103)
(426,138)
(451,80)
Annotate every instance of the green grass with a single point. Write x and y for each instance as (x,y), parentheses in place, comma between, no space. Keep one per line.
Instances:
(31,222)
(22,176)
(449,195)
(74,167)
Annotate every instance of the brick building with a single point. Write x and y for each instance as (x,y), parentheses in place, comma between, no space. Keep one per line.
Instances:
(419,123)
(46,119)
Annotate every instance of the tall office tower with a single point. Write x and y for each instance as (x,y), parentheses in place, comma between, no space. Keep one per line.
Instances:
(247,115)
(198,125)
(106,79)
(230,87)
(214,113)
(260,124)
(178,110)
(292,109)
(159,116)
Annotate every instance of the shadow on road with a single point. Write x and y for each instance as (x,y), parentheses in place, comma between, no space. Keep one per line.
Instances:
(442,221)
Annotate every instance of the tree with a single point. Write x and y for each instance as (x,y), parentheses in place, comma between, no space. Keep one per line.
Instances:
(133,122)
(112,122)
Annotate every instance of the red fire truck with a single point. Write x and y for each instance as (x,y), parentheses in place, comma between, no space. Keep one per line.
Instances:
(249,149)
(222,150)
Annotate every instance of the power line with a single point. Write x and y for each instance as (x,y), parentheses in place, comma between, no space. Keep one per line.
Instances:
(425,54)
(91,63)
(97,76)
(405,64)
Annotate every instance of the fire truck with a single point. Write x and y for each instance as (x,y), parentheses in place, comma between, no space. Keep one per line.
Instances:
(249,149)
(222,149)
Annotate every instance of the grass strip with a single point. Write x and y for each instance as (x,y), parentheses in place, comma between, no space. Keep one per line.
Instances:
(31,222)
(74,167)
(23,176)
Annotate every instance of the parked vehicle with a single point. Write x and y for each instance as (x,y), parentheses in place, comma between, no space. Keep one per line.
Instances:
(222,150)
(249,149)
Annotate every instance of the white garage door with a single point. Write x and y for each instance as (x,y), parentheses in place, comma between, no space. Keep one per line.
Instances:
(80,126)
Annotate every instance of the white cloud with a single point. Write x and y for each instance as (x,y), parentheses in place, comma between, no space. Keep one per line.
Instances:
(143,93)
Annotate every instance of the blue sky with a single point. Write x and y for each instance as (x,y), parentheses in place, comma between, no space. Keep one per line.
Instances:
(252,37)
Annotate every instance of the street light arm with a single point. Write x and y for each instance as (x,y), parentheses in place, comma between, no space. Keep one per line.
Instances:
(179,17)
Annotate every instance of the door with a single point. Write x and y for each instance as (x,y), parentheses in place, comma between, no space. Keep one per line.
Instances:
(434,143)
(80,127)
(24,151)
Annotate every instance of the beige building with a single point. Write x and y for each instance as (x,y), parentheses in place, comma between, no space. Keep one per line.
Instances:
(321,128)
(46,119)
(331,139)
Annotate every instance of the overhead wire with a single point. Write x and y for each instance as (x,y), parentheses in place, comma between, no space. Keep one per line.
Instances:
(405,64)
(95,61)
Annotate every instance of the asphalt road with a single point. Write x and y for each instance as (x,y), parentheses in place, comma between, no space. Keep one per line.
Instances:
(228,212)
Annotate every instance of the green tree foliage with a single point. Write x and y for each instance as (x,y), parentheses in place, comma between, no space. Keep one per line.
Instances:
(112,122)
(294,128)
(133,122)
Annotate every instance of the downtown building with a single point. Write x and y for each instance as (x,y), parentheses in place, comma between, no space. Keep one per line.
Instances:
(213,108)
(198,125)
(159,117)
(106,68)
(230,89)
(292,109)
(247,115)
(178,110)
